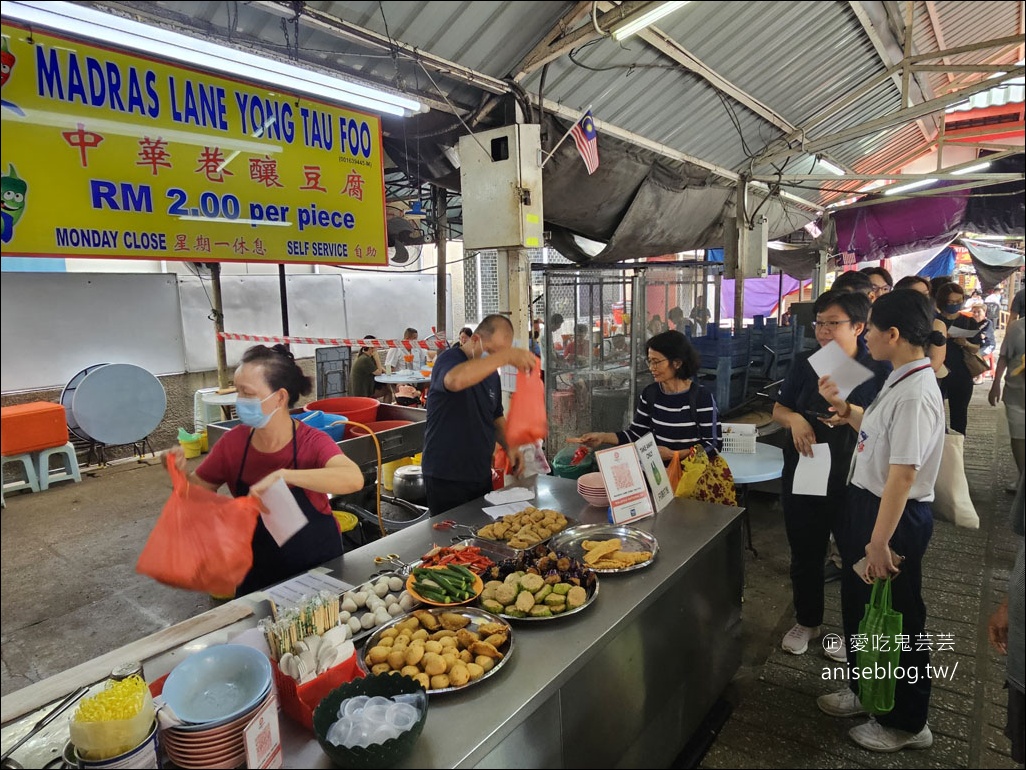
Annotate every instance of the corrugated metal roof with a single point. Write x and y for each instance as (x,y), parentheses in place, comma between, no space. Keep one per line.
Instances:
(797,59)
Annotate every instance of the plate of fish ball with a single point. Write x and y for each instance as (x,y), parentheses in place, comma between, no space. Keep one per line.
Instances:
(443,649)
(608,548)
(540,584)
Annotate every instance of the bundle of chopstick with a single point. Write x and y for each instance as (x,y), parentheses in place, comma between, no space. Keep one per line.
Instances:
(311,617)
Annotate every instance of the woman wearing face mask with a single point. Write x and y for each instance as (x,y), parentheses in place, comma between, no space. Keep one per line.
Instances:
(957,387)
(270,445)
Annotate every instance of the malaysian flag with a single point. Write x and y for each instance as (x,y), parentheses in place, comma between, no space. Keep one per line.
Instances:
(587,141)
(848,258)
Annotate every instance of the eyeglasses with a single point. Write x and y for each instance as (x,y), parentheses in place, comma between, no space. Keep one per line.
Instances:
(881,289)
(831,325)
(655,363)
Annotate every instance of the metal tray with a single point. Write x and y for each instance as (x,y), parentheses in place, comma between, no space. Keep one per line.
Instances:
(523,560)
(571,538)
(570,522)
(477,617)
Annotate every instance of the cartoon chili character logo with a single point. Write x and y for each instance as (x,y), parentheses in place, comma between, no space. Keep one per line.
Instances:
(13,191)
(7,62)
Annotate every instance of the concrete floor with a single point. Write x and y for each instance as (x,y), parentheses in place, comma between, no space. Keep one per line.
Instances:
(69,593)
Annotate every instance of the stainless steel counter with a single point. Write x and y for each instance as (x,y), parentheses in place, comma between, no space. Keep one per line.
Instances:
(623,684)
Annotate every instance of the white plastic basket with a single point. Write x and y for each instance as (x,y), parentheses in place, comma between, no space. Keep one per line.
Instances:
(738,438)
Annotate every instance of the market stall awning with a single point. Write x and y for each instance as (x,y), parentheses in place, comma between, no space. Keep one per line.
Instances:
(993,263)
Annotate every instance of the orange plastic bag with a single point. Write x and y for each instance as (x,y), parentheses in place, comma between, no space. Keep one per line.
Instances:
(202,540)
(527,421)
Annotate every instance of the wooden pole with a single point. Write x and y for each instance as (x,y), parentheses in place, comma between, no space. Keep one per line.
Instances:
(218,312)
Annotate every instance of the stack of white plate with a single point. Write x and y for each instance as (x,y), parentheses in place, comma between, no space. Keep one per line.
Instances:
(591,487)
(215,693)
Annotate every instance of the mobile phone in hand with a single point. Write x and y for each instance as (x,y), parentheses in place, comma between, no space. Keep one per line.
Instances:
(861,564)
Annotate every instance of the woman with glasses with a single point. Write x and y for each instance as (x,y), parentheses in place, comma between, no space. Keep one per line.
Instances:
(887,522)
(881,280)
(809,520)
(957,387)
(675,408)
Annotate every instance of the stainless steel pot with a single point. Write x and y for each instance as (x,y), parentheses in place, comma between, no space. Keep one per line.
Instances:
(408,484)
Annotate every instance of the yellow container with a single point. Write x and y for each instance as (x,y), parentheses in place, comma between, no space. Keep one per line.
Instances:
(191,448)
(388,470)
(203,442)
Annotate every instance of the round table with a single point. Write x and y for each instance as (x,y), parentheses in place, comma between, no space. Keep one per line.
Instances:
(402,378)
(220,399)
(766,464)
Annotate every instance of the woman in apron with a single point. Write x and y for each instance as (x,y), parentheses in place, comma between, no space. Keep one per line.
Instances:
(270,445)
(887,521)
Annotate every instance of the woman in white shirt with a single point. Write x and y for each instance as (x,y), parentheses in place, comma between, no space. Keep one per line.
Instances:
(897,457)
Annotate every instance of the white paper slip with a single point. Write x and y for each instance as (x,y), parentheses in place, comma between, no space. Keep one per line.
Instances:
(845,371)
(655,471)
(307,585)
(283,517)
(812,473)
(509,495)
(955,332)
(506,509)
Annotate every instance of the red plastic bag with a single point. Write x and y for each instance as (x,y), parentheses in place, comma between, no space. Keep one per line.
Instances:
(202,540)
(527,421)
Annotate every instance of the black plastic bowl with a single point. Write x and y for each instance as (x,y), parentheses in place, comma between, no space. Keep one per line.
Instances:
(381,755)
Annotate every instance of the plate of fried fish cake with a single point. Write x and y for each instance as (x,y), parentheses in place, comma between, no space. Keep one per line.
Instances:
(607,548)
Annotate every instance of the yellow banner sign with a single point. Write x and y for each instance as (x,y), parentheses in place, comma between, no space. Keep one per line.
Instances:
(111,154)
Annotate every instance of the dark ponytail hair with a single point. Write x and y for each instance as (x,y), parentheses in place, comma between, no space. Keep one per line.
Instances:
(280,370)
(906,310)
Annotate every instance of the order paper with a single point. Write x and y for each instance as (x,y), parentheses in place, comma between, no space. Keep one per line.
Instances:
(283,517)
(509,495)
(506,509)
(845,371)
(812,473)
(956,331)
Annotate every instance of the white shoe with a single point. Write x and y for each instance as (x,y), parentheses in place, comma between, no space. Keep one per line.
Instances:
(838,654)
(875,737)
(796,641)
(843,703)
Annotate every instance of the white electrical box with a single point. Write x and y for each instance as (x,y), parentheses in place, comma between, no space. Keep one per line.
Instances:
(754,263)
(501,177)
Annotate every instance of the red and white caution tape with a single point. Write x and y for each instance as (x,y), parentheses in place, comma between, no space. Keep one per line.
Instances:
(428,344)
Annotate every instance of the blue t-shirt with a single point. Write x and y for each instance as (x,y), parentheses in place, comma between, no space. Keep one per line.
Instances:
(459,436)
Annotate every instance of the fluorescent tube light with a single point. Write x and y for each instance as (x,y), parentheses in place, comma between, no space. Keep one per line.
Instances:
(155,41)
(973,168)
(830,166)
(645,18)
(910,186)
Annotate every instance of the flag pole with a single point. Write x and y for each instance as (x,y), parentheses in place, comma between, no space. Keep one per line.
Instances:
(560,142)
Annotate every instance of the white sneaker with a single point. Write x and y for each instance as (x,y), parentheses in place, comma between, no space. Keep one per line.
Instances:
(839,653)
(875,737)
(843,703)
(796,641)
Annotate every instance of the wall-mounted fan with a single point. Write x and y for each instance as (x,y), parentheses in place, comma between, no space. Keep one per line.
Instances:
(405,238)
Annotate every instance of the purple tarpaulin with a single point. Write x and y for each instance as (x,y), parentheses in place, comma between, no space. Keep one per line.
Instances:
(898,227)
(761,295)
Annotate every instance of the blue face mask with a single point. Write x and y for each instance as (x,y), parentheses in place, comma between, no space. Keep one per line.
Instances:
(251,412)
(953,308)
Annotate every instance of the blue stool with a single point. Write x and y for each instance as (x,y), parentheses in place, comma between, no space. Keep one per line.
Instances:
(31,481)
(68,470)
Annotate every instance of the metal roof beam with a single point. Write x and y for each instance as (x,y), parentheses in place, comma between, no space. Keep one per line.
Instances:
(939,175)
(348,31)
(558,41)
(892,57)
(888,121)
(938,32)
(983,45)
(669,47)
(919,194)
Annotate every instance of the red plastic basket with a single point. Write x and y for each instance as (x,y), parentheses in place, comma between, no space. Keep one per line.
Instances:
(300,700)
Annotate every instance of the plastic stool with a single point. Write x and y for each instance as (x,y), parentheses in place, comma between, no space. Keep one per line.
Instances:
(31,480)
(68,470)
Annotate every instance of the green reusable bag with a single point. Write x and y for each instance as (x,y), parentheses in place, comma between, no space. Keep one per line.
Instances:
(879,628)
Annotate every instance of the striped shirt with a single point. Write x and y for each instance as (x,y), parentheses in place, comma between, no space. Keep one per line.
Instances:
(678,420)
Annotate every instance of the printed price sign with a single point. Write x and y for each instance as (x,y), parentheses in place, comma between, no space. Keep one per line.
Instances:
(625,483)
(655,471)
(113,154)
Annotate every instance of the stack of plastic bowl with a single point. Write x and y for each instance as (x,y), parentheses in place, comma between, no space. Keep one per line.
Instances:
(591,487)
(215,693)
